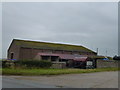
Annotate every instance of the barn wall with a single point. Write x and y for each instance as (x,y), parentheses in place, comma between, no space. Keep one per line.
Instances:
(58,51)
(30,53)
(25,53)
(13,49)
(35,52)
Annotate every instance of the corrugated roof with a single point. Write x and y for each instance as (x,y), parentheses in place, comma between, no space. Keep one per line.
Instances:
(65,56)
(61,56)
(80,58)
(54,46)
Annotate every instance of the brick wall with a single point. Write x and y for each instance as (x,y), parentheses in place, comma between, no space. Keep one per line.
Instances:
(15,50)
(104,64)
(25,53)
(30,53)
(58,65)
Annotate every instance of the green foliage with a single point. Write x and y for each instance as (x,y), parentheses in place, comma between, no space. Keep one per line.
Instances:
(7,63)
(110,58)
(4,64)
(34,63)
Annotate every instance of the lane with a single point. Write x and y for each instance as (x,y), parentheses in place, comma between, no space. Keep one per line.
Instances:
(11,82)
(88,80)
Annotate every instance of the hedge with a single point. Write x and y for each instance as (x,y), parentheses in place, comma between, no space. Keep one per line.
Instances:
(34,63)
(27,63)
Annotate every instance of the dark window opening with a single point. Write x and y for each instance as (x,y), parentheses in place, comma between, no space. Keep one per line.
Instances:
(12,55)
(45,57)
(54,58)
(63,60)
(79,64)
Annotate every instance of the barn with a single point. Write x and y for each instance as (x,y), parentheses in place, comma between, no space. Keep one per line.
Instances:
(55,52)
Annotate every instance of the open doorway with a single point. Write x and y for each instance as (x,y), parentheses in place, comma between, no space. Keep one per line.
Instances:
(11,55)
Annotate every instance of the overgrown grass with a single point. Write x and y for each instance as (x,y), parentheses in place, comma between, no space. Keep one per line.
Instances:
(36,72)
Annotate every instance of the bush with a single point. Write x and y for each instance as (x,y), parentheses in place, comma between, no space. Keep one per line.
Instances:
(34,63)
(7,63)
(110,58)
(4,64)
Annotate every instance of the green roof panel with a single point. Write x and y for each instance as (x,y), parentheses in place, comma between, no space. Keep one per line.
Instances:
(46,45)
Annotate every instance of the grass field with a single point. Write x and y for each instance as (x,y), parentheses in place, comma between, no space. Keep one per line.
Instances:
(36,72)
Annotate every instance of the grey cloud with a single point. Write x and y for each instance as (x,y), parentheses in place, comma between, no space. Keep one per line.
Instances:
(91,24)
(0,30)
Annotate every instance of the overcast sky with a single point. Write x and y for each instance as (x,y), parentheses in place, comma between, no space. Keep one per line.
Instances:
(93,25)
(0,30)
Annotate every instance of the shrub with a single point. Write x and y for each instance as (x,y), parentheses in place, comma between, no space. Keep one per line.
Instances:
(7,63)
(110,58)
(34,63)
(4,64)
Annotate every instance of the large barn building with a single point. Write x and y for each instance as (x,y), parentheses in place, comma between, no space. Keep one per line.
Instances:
(25,49)
(71,55)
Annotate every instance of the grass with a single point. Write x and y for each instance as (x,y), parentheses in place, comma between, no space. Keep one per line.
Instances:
(37,72)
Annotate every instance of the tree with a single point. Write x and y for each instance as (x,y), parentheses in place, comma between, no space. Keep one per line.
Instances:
(116,57)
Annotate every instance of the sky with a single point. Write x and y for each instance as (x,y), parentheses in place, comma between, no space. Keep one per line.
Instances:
(0,29)
(90,24)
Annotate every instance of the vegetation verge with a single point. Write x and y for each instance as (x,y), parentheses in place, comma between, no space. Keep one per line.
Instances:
(36,72)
